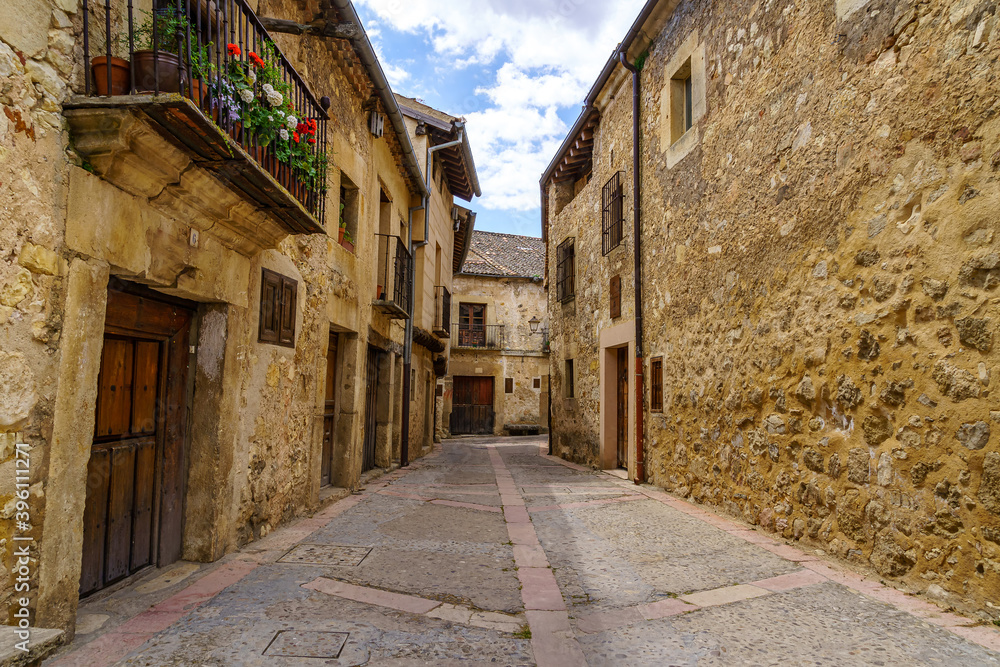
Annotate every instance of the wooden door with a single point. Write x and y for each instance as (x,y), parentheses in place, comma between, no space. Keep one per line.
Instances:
(472,406)
(472,324)
(371,408)
(622,395)
(329,414)
(132,512)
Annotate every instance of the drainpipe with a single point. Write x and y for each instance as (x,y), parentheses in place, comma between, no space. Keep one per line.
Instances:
(640,464)
(404,447)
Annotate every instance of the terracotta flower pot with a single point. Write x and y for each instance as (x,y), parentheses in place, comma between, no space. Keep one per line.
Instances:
(340,236)
(157,66)
(120,83)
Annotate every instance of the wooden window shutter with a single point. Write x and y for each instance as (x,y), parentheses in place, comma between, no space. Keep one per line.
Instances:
(508,385)
(616,297)
(286,324)
(270,306)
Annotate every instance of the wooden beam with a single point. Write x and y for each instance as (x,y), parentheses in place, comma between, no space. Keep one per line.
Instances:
(326,29)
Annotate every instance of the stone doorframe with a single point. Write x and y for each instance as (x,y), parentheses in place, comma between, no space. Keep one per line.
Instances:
(622,335)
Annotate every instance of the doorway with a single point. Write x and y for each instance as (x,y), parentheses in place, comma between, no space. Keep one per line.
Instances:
(621,369)
(472,406)
(329,413)
(133,515)
(371,408)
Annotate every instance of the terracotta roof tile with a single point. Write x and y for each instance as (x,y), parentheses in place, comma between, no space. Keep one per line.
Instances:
(505,255)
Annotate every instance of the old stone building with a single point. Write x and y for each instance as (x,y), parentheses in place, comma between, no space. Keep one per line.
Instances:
(442,246)
(205,279)
(498,374)
(817,247)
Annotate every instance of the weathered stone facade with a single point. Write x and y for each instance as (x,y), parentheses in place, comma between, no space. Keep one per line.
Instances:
(95,197)
(510,301)
(820,270)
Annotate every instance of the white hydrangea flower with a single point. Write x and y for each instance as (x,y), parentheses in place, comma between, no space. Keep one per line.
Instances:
(246,95)
(267,88)
(292,122)
(251,77)
(283,133)
(274,98)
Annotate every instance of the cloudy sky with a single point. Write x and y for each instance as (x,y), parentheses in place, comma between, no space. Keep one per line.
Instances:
(518,70)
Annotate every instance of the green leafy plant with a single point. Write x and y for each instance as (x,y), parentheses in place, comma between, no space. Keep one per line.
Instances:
(171,28)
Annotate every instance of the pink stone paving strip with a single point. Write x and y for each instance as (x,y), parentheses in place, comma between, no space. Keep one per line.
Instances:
(552,639)
(469,506)
(587,503)
(821,571)
(111,647)
(397,601)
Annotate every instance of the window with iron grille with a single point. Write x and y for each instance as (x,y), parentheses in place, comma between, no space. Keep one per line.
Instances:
(613,213)
(616,297)
(656,384)
(566,269)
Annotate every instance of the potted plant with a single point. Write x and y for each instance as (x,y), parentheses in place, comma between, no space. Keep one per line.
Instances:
(160,68)
(348,241)
(202,73)
(343,226)
(120,68)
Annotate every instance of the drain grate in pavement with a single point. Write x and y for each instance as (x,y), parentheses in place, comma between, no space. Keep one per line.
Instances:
(307,644)
(326,554)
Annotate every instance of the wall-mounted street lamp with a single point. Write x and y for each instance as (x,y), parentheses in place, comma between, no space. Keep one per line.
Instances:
(533,323)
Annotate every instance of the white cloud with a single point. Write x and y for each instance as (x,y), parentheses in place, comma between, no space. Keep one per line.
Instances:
(545,54)
(395,75)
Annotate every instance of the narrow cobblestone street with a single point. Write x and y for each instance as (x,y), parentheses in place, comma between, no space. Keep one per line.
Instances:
(490,552)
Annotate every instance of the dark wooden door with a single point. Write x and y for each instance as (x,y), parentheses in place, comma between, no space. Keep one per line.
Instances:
(132,512)
(371,408)
(472,406)
(329,414)
(622,394)
(472,324)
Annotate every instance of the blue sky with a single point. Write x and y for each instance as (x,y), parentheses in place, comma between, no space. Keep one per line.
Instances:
(518,70)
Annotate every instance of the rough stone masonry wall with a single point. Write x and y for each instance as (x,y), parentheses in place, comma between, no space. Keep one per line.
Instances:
(822,277)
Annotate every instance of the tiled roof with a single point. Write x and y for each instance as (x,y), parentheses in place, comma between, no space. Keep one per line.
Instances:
(506,255)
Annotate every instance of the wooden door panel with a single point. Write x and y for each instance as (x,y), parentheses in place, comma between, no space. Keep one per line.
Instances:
(622,400)
(145,387)
(95,516)
(120,505)
(171,515)
(114,393)
(472,406)
(142,523)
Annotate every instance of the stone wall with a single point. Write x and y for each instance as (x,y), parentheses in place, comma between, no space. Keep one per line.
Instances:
(820,277)
(510,302)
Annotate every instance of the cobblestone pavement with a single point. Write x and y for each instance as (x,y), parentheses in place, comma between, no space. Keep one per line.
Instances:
(489,552)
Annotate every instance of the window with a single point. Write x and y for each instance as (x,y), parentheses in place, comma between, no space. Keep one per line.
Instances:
(537,383)
(681,102)
(616,297)
(569,380)
(613,213)
(278,295)
(566,269)
(656,384)
(508,385)
(472,324)
(349,213)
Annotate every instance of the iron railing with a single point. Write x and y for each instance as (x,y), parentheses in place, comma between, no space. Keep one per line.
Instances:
(612,213)
(442,310)
(480,336)
(394,274)
(217,54)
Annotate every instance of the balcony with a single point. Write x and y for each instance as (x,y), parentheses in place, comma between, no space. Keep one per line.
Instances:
(442,312)
(198,83)
(479,336)
(392,294)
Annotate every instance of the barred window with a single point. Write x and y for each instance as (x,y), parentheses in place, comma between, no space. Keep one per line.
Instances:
(613,213)
(656,384)
(566,269)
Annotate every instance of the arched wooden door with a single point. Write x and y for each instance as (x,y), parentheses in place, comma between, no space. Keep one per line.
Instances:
(133,516)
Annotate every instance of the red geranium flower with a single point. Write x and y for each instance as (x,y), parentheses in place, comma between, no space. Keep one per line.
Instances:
(312,140)
(255,59)
(302,128)
(312,125)
(295,136)
(234,49)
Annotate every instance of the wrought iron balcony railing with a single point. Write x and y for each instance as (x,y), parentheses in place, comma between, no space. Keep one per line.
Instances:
(479,336)
(392,294)
(217,55)
(442,311)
